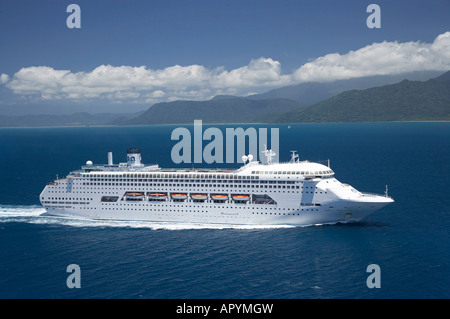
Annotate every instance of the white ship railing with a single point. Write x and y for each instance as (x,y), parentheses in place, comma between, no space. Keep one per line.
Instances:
(374,194)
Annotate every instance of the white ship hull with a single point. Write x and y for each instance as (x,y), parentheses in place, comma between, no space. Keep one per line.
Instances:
(223,216)
(226,213)
(300,193)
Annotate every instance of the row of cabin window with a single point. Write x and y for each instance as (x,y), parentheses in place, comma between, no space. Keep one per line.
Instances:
(294,172)
(185,181)
(184,176)
(186,185)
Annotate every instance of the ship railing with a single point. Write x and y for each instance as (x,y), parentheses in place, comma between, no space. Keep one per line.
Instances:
(249,164)
(368,194)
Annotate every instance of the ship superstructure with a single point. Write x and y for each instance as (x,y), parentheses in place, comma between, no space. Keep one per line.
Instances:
(292,193)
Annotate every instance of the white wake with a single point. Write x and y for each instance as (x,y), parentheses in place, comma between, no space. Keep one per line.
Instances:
(36,215)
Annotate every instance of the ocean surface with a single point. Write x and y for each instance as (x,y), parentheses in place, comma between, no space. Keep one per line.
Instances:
(409,240)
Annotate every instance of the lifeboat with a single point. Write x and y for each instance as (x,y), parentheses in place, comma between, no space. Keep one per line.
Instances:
(241,197)
(134,195)
(219,197)
(157,196)
(199,196)
(179,196)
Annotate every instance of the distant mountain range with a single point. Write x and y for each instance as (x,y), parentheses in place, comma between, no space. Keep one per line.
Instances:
(313,92)
(217,110)
(76,119)
(368,99)
(403,101)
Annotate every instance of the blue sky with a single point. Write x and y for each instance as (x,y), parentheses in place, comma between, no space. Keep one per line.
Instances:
(167,50)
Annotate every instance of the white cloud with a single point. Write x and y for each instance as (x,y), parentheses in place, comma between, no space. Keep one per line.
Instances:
(4,78)
(140,84)
(260,72)
(131,83)
(158,94)
(379,59)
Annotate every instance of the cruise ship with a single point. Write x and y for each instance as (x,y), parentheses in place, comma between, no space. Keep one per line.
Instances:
(292,193)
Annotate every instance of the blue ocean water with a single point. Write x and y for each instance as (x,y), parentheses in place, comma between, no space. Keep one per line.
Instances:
(409,239)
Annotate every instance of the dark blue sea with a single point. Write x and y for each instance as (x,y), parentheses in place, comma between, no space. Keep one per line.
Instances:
(409,240)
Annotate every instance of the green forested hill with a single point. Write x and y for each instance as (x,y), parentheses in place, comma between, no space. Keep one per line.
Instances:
(228,110)
(403,101)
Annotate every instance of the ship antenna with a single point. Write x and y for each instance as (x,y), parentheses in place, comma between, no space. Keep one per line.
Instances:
(265,150)
(328,162)
(386,192)
(269,154)
(294,156)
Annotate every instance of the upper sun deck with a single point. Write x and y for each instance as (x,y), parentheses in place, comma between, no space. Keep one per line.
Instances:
(146,169)
(253,170)
(293,170)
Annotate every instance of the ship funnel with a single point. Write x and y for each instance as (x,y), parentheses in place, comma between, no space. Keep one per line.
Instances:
(133,156)
(110,158)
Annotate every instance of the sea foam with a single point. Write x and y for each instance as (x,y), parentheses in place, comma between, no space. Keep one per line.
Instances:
(37,215)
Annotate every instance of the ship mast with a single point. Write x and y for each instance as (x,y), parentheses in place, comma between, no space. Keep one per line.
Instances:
(269,154)
(294,157)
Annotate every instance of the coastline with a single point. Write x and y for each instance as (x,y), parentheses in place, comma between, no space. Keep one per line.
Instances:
(240,123)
